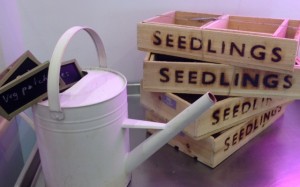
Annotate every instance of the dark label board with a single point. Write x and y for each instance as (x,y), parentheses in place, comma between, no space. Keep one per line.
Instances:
(31,88)
(23,64)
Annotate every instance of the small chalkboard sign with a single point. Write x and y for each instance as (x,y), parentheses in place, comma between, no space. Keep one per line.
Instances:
(24,91)
(26,84)
(23,64)
(70,73)
(31,87)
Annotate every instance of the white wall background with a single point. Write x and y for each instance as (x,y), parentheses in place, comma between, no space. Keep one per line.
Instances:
(42,23)
(11,41)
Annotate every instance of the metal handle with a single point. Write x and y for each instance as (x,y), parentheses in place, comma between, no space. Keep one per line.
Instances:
(55,63)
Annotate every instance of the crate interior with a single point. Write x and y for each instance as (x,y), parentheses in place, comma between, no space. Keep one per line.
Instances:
(253,25)
(293,29)
(191,98)
(168,58)
(184,18)
(283,28)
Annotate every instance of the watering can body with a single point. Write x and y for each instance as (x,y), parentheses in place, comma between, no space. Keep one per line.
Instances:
(81,133)
(87,148)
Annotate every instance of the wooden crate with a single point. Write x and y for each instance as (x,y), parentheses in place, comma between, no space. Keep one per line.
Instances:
(226,113)
(251,42)
(163,73)
(217,147)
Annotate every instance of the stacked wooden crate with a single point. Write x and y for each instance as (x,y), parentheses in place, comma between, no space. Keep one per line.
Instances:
(249,63)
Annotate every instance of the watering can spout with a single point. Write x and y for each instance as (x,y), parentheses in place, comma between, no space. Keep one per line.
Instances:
(143,151)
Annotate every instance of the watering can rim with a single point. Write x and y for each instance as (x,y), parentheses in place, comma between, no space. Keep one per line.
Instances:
(110,97)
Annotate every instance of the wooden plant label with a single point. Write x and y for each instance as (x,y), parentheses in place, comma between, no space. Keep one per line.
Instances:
(190,77)
(31,87)
(24,91)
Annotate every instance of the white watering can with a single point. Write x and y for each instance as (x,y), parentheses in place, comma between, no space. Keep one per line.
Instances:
(82,134)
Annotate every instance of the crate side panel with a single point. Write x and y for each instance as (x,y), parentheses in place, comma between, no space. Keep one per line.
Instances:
(266,83)
(170,39)
(231,143)
(256,52)
(293,30)
(200,150)
(195,78)
(223,115)
(198,78)
(231,112)
(167,106)
(254,24)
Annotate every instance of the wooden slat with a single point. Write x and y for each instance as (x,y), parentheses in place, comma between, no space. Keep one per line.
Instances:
(297,35)
(221,23)
(220,79)
(194,19)
(281,31)
(271,84)
(251,51)
(254,24)
(246,25)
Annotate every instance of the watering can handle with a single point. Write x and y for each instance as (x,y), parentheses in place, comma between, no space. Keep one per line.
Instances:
(55,63)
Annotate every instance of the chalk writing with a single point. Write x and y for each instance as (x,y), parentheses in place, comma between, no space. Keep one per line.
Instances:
(256,51)
(225,113)
(25,91)
(31,87)
(251,127)
(243,79)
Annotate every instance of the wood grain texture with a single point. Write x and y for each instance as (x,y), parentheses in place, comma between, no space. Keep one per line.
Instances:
(220,79)
(257,43)
(214,149)
(222,115)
